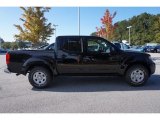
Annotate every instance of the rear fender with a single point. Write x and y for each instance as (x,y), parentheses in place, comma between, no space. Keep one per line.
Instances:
(30,63)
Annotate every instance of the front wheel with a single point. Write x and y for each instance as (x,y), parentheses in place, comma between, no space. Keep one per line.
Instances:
(155,51)
(40,77)
(137,75)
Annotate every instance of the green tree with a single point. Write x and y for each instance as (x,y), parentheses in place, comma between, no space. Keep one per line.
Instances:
(145,29)
(21,44)
(35,27)
(14,46)
(94,34)
(121,32)
(6,45)
(156,29)
(1,40)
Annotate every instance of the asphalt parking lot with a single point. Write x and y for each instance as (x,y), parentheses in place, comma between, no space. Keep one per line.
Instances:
(79,94)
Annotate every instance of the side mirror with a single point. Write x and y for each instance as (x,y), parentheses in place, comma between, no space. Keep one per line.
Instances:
(112,50)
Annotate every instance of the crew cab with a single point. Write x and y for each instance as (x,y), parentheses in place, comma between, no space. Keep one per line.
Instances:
(80,55)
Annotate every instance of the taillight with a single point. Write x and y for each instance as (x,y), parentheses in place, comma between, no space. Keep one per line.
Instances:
(7,58)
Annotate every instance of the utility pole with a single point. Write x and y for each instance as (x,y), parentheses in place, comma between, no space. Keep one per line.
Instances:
(55,29)
(0,42)
(79,21)
(129,27)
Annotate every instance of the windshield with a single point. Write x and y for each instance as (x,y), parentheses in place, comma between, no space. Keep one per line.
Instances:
(43,47)
(126,46)
(49,47)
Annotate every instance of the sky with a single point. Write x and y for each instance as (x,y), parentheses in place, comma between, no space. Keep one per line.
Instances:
(67,19)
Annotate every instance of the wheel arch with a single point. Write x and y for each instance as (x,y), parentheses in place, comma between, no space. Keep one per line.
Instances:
(138,63)
(36,62)
(39,65)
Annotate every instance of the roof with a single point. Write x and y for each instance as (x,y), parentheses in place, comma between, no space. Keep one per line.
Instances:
(79,36)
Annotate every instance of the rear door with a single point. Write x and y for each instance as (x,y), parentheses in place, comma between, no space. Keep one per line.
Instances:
(69,51)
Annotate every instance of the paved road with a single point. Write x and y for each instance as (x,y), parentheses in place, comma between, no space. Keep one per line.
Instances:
(79,94)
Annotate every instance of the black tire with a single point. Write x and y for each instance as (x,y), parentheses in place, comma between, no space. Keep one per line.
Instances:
(155,51)
(40,77)
(137,75)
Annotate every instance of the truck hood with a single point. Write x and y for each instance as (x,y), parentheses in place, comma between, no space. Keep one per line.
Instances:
(135,53)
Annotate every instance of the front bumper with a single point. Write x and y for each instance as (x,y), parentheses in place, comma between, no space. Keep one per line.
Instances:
(152,67)
(158,50)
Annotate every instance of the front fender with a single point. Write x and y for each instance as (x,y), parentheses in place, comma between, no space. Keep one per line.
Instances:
(132,60)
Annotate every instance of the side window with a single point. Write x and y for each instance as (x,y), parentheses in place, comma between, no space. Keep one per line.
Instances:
(74,45)
(92,46)
(70,45)
(98,46)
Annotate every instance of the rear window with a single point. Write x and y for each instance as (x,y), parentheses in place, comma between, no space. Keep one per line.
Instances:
(72,44)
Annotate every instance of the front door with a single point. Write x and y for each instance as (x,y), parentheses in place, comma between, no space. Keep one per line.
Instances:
(100,56)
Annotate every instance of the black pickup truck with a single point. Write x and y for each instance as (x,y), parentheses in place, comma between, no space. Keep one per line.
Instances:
(80,55)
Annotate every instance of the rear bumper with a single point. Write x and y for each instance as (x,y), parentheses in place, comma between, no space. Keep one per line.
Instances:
(6,70)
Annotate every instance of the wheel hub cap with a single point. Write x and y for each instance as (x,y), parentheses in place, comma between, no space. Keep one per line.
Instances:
(137,76)
(39,78)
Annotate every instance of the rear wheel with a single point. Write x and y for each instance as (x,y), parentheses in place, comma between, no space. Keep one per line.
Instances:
(40,77)
(137,75)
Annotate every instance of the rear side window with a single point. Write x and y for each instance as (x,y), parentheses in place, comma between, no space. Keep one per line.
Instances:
(71,44)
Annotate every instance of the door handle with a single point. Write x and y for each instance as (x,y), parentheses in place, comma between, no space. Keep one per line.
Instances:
(89,59)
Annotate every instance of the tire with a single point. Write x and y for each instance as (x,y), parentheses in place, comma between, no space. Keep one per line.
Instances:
(137,75)
(155,51)
(40,77)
